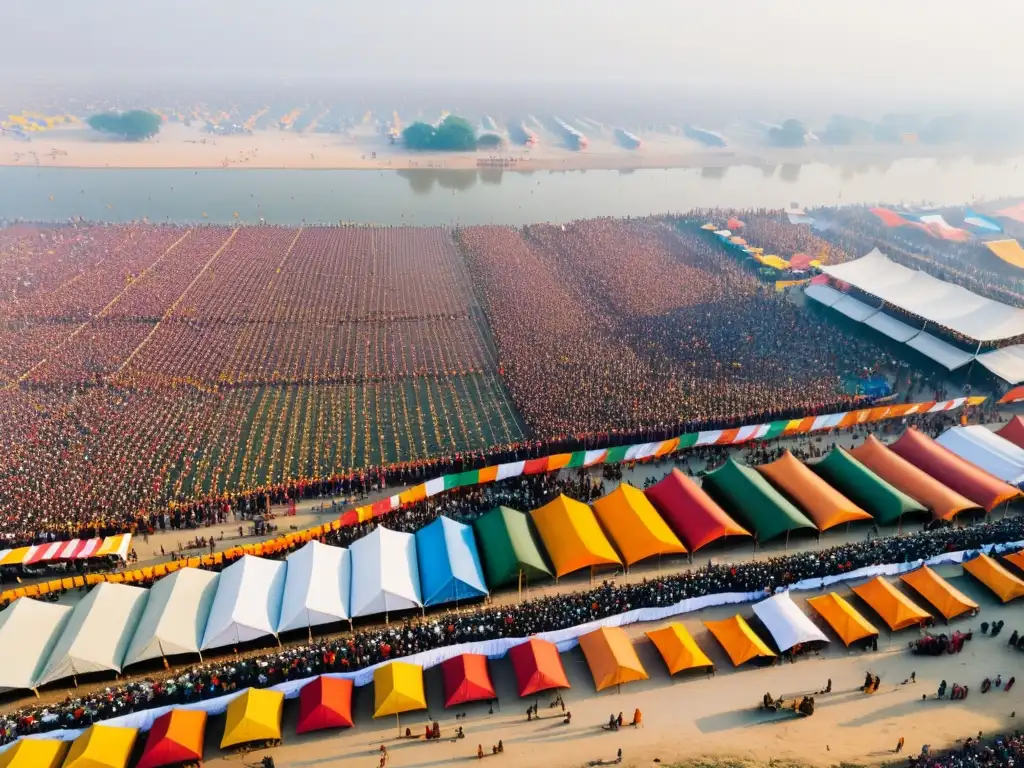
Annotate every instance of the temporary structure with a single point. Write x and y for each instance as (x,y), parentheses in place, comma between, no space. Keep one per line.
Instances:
(449,563)
(786,623)
(397,688)
(635,525)
(386,573)
(1016,558)
(885,502)
(35,753)
(316,587)
(253,716)
(102,746)
(326,702)
(29,630)
(176,737)
(690,512)
(822,503)
(947,599)
(1004,584)
(466,678)
(678,648)
(538,666)
(176,614)
(247,604)
(1014,430)
(845,620)
(572,536)
(508,548)
(752,500)
(740,642)
(984,448)
(896,609)
(611,657)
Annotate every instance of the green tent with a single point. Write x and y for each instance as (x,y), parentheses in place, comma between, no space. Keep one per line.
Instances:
(866,489)
(752,501)
(508,546)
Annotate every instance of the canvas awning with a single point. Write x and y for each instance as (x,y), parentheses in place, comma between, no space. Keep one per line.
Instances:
(538,666)
(678,648)
(253,716)
(247,604)
(35,753)
(29,630)
(611,657)
(1007,363)
(751,500)
(740,642)
(326,702)
(942,352)
(786,623)
(466,678)
(176,737)
(572,536)
(943,596)
(176,615)
(1003,584)
(449,563)
(1013,431)
(397,688)
(635,526)
(817,499)
(987,450)
(845,620)
(896,609)
(317,584)
(508,547)
(102,746)
(386,573)
(690,512)
(1016,558)
(885,502)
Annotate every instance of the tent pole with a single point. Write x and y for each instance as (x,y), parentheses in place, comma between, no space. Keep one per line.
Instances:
(520,586)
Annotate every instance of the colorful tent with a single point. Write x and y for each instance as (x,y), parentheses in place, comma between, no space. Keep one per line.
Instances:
(175,737)
(944,502)
(572,536)
(35,753)
(449,564)
(33,628)
(987,450)
(508,547)
(740,642)
(1004,584)
(678,648)
(752,500)
(1016,558)
(817,499)
(466,678)
(538,666)
(397,688)
(1008,250)
(896,609)
(325,703)
(102,746)
(844,619)
(1014,429)
(611,657)
(786,623)
(947,599)
(635,526)
(885,502)
(690,512)
(253,716)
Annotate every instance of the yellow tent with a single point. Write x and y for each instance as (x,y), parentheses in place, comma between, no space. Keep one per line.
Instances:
(1007,250)
(896,609)
(102,746)
(572,536)
(990,573)
(397,688)
(635,525)
(35,753)
(253,716)
(611,657)
(709,227)
(949,600)
(678,648)
(738,639)
(844,619)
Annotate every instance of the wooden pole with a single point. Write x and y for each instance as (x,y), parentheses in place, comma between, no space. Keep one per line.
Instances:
(520,586)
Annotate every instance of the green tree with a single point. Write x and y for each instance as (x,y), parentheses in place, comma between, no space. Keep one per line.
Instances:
(489,141)
(454,134)
(419,136)
(135,125)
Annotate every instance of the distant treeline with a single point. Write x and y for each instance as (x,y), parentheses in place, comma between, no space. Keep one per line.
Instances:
(135,125)
(453,134)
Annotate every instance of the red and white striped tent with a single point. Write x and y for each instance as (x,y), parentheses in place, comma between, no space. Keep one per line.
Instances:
(76,549)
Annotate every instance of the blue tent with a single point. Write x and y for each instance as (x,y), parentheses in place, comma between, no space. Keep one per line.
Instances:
(449,563)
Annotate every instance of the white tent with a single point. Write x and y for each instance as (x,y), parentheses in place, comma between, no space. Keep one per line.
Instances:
(941,352)
(175,616)
(248,602)
(1007,363)
(385,573)
(987,450)
(29,629)
(787,624)
(316,587)
(96,636)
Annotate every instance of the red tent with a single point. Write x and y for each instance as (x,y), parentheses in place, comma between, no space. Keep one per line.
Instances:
(325,703)
(734,223)
(1014,431)
(176,737)
(466,679)
(538,666)
(799,261)
(690,512)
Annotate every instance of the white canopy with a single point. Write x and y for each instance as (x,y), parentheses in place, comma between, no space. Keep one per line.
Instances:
(891,327)
(854,309)
(316,587)
(944,354)
(1006,363)
(96,636)
(175,616)
(248,602)
(787,624)
(385,573)
(823,294)
(987,450)
(29,629)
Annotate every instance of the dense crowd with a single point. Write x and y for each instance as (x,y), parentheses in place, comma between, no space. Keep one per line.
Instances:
(1003,751)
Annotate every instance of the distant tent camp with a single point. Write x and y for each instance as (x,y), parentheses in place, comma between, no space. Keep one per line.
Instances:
(398,688)
(538,666)
(885,502)
(611,657)
(508,547)
(896,609)
(752,500)
(635,526)
(466,678)
(324,703)
(34,753)
(1003,584)
(253,716)
(449,563)
(175,737)
(102,746)
(817,499)
(947,599)
(678,648)
(740,642)
(572,536)
(690,512)
(844,619)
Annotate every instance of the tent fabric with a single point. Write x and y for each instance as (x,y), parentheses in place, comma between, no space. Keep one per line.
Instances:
(176,737)
(1007,363)
(786,623)
(35,753)
(538,666)
(102,746)
(176,615)
(740,642)
(885,502)
(386,573)
(253,716)
(324,703)
(97,634)
(1013,431)
(896,609)
(678,649)
(449,563)
(508,547)
(247,604)
(845,620)
(397,688)
(822,503)
(985,490)
(1016,558)
(317,586)
(466,678)
(987,450)
(690,512)
(572,536)
(943,596)
(943,502)
(635,525)
(854,309)
(1015,395)
(891,327)
(824,294)
(611,657)
(1004,584)
(982,223)
(1007,250)
(752,500)
(943,353)
(29,630)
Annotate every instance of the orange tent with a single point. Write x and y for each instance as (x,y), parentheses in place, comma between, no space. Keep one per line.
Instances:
(572,536)
(176,737)
(635,526)
(611,657)
(947,599)
(1016,558)
(739,640)
(678,648)
(944,502)
(1006,586)
(896,609)
(826,506)
(845,620)
(325,703)
(538,666)
(35,753)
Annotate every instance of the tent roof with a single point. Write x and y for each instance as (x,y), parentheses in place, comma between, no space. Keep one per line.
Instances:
(751,499)
(690,512)
(885,502)
(822,503)
(253,716)
(449,563)
(326,702)
(538,666)
(386,573)
(845,620)
(947,599)
(29,629)
(176,615)
(1017,558)
(984,448)
(102,746)
(572,536)
(316,587)
(35,753)
(508,546)
(740,642)
(397,688)
(611,657)
(787,624)
(175,737)
(896,609)
(678,648)
(635,526)
(1004,584)
(1013,431)
(466,678)
(247,604)
(97,634)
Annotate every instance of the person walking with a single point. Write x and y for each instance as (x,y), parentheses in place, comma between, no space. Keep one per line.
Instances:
(899,746)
